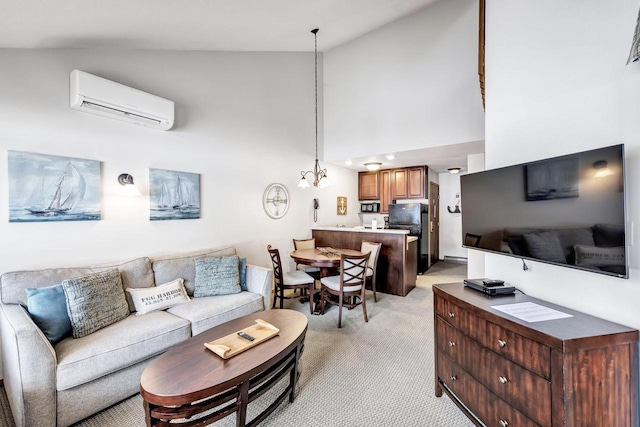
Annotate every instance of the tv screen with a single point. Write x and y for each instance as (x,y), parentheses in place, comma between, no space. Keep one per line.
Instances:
(567,211)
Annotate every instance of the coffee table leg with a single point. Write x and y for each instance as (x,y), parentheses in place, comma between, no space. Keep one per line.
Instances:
(241,416)
(147,413)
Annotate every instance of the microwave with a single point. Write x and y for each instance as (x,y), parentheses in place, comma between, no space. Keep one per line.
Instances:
(370,207)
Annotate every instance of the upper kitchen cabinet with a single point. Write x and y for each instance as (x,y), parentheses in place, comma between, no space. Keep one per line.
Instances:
(385,190)
(399,184)
(368,186)
(388,185)
(416,182)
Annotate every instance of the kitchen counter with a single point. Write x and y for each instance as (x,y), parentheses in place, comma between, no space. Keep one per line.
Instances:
(362,230)
(397,263)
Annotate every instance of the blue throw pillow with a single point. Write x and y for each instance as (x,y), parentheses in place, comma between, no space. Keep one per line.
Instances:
(242,266)
(48,309)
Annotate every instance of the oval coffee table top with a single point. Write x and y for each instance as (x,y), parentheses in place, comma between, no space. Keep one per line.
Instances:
(189,371)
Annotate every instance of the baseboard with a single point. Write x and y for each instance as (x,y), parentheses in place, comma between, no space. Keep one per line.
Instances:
(455,259)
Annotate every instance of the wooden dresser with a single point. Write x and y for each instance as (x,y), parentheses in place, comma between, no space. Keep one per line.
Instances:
(501,371)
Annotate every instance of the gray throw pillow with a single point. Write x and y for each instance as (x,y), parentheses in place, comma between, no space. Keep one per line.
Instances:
(95,301)
(217,276)
(546,246)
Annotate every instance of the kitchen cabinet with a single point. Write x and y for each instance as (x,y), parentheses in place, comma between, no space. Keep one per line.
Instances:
(368,186)
(416,183)
(397,262)
(388,185)
(385,191)
(399,183)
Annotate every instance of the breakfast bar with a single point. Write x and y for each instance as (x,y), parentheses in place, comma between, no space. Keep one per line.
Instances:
(397,263)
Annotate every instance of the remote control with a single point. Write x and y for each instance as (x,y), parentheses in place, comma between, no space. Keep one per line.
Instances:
(245,336)
(492,282)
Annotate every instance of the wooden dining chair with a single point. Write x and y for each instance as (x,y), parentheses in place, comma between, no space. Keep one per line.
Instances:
(307,244)
(347,285)
(293,280)
(374,251)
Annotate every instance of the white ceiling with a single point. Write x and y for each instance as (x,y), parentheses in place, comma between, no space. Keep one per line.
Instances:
(226,25)
(217,25)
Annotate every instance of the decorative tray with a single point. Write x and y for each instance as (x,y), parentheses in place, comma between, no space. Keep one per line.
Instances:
(233,344)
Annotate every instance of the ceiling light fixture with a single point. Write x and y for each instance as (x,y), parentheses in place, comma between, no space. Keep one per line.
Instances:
(454,170)
(373,166)
(390,156)
(320,178)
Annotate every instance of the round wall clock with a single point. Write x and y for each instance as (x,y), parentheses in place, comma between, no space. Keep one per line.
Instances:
(275,201)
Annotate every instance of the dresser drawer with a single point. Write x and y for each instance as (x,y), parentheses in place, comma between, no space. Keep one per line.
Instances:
(491,410)
(527,391)
(530,354)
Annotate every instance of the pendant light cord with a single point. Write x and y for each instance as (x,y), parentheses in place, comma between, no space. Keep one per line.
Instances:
(315,35)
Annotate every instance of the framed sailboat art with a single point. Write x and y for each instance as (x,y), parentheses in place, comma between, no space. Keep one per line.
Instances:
(53,188)
(173,195)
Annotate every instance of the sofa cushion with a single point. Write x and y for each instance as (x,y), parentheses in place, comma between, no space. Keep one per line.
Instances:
(545,245)
(48,308)
(242,270)
(608,235)
(217,276)
(95,301)
(117,346)
(569,237)
(158,297)
(206,312)
(136,273)
(167,269)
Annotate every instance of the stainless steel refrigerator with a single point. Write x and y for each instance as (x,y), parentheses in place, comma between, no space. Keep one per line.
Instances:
(415,218)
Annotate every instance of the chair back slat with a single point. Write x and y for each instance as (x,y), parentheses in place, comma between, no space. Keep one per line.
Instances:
(274,254)
(353,269)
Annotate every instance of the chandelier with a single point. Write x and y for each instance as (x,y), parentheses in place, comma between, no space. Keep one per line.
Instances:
(320,178)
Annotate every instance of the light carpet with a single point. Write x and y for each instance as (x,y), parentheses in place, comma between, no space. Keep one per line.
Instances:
(379,373)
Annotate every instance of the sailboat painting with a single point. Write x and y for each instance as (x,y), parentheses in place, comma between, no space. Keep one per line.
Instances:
(53,188)
(173,195)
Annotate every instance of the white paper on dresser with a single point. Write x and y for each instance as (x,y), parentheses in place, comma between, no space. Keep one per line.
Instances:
(531,312)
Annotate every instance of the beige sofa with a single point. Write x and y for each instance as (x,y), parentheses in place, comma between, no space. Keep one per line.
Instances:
(58,385)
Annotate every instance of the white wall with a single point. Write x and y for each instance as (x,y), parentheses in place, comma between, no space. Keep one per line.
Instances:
(450,223)
(411,84)
(243,121)
(557,83)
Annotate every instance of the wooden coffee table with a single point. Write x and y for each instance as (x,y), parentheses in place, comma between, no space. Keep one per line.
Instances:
(189,372)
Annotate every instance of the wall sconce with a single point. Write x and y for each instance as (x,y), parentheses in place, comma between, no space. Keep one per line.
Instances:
(454,170)
(373,166)
(602,169)
(130,188)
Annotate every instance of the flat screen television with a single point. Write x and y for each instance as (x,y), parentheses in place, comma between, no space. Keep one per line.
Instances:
(567,211)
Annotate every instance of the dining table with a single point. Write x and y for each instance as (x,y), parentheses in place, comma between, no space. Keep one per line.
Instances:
(326,258)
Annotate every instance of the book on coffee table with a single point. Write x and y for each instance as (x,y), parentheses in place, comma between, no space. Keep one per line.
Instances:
(232,344)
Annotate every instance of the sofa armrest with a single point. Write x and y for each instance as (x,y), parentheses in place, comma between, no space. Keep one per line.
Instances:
(29,368)
(259,280)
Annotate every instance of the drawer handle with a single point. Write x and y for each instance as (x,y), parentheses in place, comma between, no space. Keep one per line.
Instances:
(503,380)
(451,315)
(453,377)
(502,343)
(452,344)
(503,423)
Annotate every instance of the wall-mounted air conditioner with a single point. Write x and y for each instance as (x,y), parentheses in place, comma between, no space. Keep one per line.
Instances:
(95,95)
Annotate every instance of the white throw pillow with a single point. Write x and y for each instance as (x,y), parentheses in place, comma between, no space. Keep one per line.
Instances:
(159,297)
